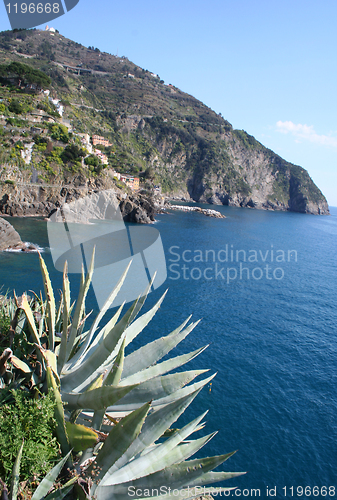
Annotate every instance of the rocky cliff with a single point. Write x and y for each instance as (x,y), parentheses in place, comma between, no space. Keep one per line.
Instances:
(153,129)
(34,200)
(8,236)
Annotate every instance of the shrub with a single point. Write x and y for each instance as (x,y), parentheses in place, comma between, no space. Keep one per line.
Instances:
(49,108)
(72,153)
(18,107)
(38,139)
(60,133)
(92,160)
(5,323)
(31,420)
(26,73)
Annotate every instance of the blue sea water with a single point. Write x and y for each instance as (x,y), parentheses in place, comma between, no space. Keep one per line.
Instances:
(271,330)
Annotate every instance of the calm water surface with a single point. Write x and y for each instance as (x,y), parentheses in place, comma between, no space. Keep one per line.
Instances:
(271,330)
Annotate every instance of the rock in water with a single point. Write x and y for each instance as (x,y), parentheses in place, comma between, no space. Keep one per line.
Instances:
(8,236)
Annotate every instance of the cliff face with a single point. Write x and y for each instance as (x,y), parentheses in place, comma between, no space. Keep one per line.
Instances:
(238,171)
(23,201)
(192,152)
(8,236)
(264,181)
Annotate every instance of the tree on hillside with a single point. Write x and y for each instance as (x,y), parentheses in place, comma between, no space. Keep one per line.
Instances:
(72,153)
(24,75)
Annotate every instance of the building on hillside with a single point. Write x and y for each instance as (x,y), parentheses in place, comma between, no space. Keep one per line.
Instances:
(131,181)
(115,174)
(57,103)
(84,137)
(101,156)
(97,139)
(52,30)
(85,140)
(40,116)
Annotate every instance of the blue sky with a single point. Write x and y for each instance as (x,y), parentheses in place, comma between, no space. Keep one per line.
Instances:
(268,66)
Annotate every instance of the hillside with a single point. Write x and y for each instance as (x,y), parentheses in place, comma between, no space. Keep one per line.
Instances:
(155,131)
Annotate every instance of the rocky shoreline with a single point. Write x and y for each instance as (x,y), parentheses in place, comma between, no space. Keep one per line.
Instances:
(10,240)
(205,211)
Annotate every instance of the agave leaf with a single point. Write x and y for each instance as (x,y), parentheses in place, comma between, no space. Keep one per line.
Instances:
(155,425)
(96,398)
(80,436)
(187,450)
(20,365)
(157,459)
(176,476)
(29,315)
(142,299)
(48,481)
(48,289)
(109,326)
(160,387)
(80,306)
(139,324)
(94,385)
(59,313)
(58,413)
(106,306)
(16,474)
(76,378)
(160,369)
(215,477)
(115,374)
(112,379)
(50,359)
(66,307)
(152,352)
(122,408)
(42,319)
(63,491)
(72,365)
(119,439)
(185,390)
(110,347)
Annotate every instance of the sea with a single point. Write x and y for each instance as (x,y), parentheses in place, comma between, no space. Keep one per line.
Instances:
(264,285)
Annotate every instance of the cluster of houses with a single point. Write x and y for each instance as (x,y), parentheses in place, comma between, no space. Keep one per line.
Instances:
(131,181)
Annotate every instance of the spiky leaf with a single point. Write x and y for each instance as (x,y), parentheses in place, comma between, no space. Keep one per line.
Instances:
(16,474)
(48,481)
(80,437)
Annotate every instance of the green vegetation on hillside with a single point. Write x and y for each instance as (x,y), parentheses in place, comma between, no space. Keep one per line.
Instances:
(24,74)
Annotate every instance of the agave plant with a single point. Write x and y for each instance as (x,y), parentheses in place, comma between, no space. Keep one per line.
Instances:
(83,362)
(92,379)
(141,455)
(47,483)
